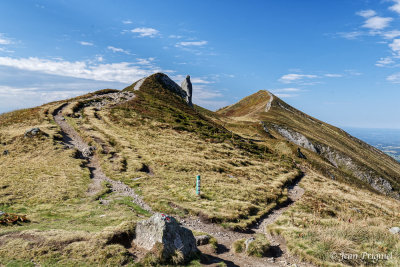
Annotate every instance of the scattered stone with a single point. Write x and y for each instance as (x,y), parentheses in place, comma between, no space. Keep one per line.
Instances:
(248,242)
(202,240)
(88,151)
(165,230)
(6,152)
(187,87)
(32,132)
(395,230)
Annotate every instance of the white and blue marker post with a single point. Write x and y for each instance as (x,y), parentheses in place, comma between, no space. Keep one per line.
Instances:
(198,185)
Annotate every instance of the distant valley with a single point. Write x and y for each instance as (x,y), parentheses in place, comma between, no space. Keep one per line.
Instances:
(387,140)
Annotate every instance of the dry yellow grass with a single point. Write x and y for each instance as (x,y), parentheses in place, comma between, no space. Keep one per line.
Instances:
(237,188)
(45,182)
(327,226)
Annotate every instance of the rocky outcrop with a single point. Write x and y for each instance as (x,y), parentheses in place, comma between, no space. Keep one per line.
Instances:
(269,104)
(187,87)
(171,85)
(165,230)
(339,160)
(295,137)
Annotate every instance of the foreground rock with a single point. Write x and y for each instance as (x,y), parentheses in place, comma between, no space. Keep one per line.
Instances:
(165,230)
(395,230)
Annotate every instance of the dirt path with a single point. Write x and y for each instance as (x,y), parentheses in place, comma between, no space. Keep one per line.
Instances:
(271,98)
(278,254)
(72,139)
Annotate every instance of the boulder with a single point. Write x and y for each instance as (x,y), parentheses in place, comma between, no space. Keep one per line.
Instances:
(32,132)
(187,87)
(88,151)
(165,230)
(395,230)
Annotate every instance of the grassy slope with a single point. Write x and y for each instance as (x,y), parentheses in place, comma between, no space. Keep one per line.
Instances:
(341,218)
(42,180)
(241,181)
(285,115)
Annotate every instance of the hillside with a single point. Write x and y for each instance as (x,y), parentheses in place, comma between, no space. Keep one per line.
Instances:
(103,161)
(347,191)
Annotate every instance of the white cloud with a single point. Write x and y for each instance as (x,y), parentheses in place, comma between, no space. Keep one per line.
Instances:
(366,13)
(172,36)
(123,72)
(384,62)
(333,75)
(4,40)
(145,32)
(377,23)
(395,46)
(128,21)
(285,95)
(193,43)
(145,61)
(285,90)
(350,35)
(294,77)
(86,43)
(391,34)
(353,72)
(396,6)
(394,78)
(117,49)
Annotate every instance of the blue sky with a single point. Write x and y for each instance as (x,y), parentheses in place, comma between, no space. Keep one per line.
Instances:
(335,60)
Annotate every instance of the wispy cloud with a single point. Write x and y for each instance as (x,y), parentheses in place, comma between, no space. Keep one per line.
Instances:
(350,35)
(395,46)
(285,90)
(391,34)
(118,50)
(4,40)
(146,32)
(173,36)
(286,95)
(294,77)
(396,6)
(128,21)
(394,78)
(191,43)
(145,61)
(382,62)
(333,75)
(366,13)
(86,43)
(123,72)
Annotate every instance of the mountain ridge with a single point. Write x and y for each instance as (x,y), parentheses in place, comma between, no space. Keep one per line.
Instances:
(151,144)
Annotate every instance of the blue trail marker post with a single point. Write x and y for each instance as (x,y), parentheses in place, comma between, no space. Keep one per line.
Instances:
(198,185)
